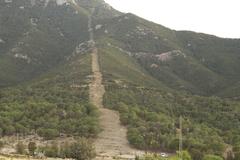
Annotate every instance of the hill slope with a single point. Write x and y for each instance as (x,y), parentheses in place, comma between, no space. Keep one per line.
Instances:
(195,62)
(37,37)
(152,76)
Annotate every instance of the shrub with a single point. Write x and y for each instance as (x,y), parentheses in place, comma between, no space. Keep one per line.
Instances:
(1,144)
(32,148)
(51,151)
(212,157)
(48,133)
(82,150)
(20,148)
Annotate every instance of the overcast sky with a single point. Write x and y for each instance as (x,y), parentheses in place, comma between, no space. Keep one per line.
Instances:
(218,17)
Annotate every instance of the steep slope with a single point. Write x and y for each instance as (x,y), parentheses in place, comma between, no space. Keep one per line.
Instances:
(51,105)
(102,9)
(37,37)
(197,63)
(151,111)
(112,141)
(141,61)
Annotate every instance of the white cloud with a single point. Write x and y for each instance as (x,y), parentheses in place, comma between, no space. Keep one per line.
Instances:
(218,17)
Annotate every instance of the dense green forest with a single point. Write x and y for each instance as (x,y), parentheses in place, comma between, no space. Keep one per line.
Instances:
(57,103)
(152,118)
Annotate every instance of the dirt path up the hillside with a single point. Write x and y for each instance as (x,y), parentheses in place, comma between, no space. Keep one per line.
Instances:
(112,141)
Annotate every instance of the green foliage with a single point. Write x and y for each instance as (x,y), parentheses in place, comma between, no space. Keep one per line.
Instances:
(51,106)
(55,101)
(151,157)
(20,148)
(151,112)
(212,157)
(185,155)
(236,150)
(32,146)
(196,154)
(51,150)
(82,150)
(202,64)
(151,128)
(48,133)
(45,35)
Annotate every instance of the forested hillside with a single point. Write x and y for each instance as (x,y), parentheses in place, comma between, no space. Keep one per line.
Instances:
(151,75)
(55,103)
(151,112)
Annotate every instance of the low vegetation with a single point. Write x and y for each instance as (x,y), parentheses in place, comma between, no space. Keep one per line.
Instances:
(82,149)
(185,156)
(79,149)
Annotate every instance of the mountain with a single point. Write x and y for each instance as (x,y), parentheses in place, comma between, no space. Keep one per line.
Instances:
(193,62)
(182,60)
(152,75)
(37,37)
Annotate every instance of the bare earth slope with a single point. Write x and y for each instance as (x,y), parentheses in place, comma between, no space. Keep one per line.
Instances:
(112,141)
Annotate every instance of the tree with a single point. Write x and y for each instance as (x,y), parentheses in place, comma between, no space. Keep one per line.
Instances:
(20,148)
(196,154)
(82,150)
(32,148)
(135,138)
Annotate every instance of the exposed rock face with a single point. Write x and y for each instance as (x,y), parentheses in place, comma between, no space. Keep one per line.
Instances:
(2,41)
(23,57)
(8,1)
(169,55)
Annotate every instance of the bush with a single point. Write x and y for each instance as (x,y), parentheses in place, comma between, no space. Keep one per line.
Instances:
(1,144)
(186,155)
(32,148)
(135,138)
(150,157)
(236,150)
(212,157)
(82,150)
(196,154)
(48,133)
(52,151)
(20,148)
